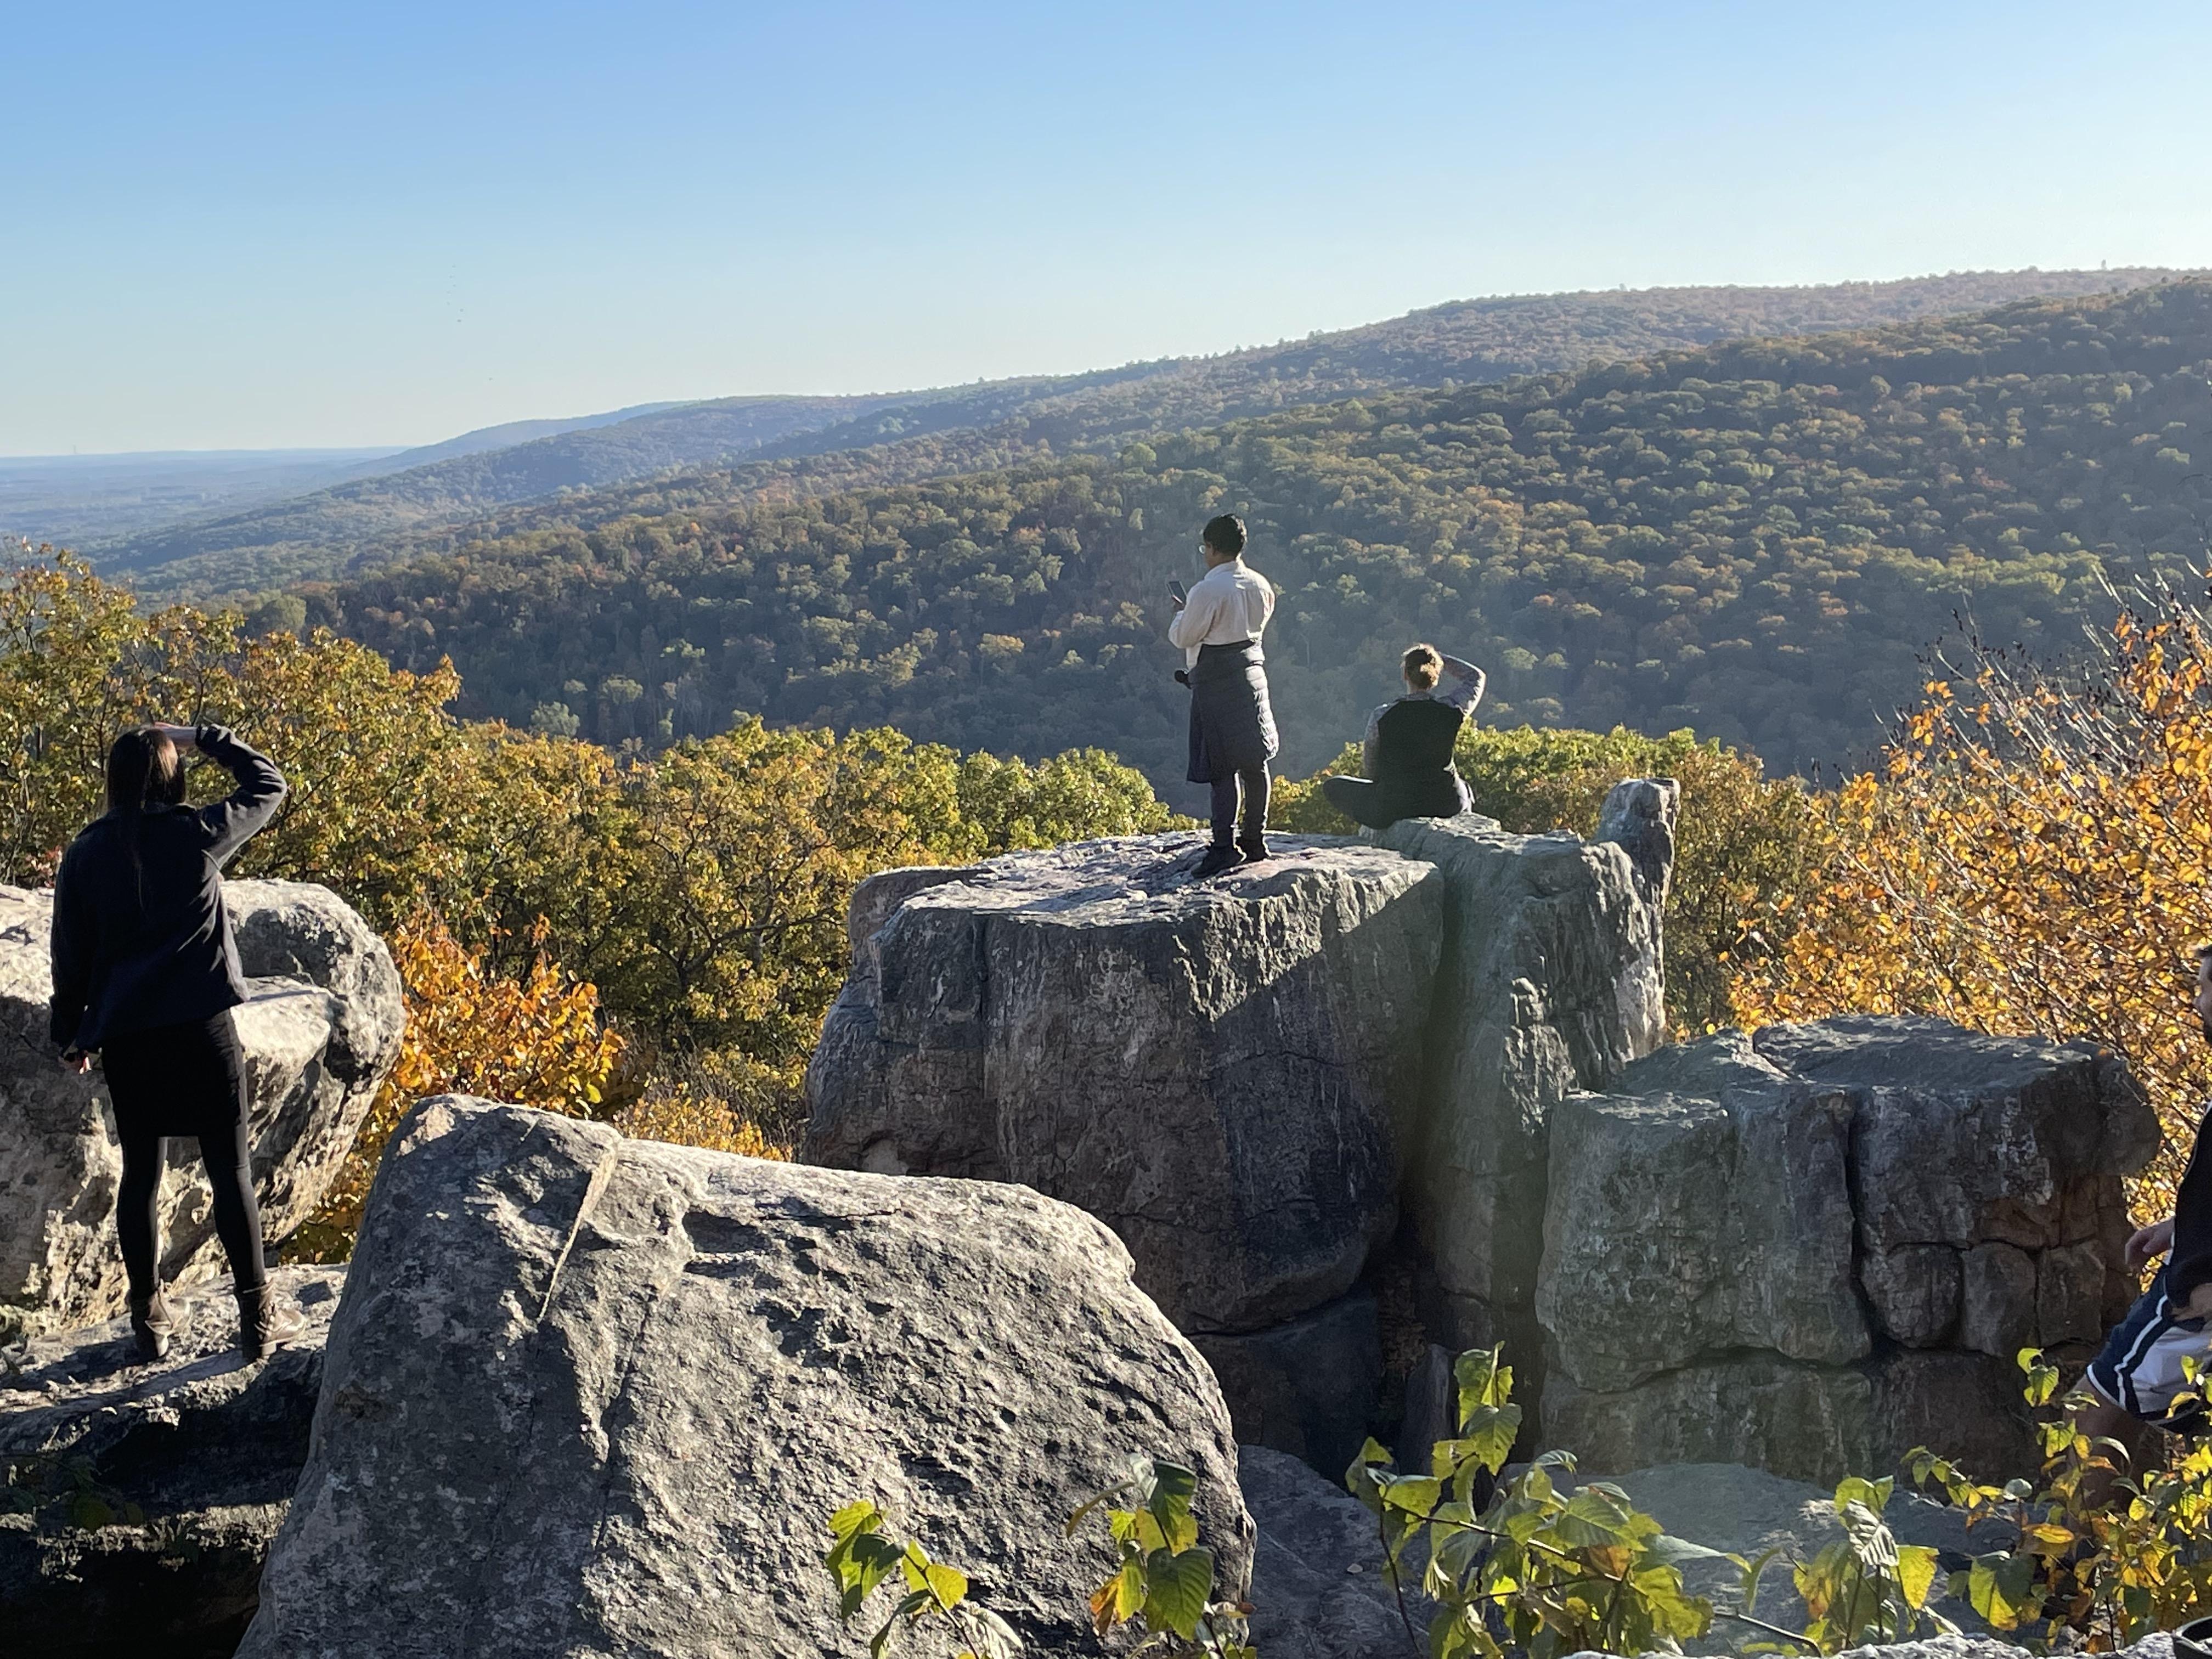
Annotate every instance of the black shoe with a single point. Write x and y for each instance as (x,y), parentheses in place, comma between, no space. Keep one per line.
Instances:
(266,1322)
(152,1325)
(1254,851)
(1217,859)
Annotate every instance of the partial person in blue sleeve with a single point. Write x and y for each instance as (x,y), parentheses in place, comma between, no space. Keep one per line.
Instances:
(2143,1375)
(146,974)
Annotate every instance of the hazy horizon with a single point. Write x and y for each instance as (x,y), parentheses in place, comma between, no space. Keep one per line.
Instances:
(271,230)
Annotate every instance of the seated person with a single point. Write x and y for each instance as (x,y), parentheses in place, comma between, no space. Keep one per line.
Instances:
(1408,764)
(2136,1377)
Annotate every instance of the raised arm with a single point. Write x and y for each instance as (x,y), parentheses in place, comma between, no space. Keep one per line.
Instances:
(232,821)
(1467,682)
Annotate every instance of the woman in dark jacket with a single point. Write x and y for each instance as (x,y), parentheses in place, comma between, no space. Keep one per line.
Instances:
(146,973)
(1410,772)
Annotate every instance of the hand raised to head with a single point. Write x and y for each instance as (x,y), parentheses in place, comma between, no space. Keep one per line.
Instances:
(186,738)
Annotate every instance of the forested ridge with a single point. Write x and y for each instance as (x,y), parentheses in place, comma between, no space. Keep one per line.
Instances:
(818,444)
(1755,539)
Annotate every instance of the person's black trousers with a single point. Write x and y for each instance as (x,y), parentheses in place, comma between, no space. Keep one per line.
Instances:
(1252,782)
(176,1080)
(1362,801)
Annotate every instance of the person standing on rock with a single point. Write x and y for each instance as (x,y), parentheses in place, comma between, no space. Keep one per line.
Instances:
(146,974)
(1407,757)
(1233,727)
(2139,1372)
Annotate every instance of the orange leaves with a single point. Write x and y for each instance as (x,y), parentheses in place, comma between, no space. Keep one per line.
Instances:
(2043,869)
(537,1041)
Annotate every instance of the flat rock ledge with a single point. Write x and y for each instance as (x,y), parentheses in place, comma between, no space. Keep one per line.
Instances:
(207,1447)
(1211,1068)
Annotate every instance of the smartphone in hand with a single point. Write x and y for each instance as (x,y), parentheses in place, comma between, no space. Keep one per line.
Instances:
(1177,590)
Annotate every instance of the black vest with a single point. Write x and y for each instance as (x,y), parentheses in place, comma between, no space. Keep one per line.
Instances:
(1412,760)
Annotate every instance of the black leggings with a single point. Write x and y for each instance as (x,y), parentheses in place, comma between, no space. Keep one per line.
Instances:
(1256,790)
(165,1079)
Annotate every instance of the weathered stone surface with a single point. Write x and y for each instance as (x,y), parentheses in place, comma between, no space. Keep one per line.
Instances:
(1817,1423)
(1431,1407)
(1702,1207)
(1804,1422)
(1209,1067)
(1320,1587)
(1551,982)
(1997,1312)
(321,1032)
(1307,1386)
(1716,1218)
(1964,1139)
(1914,1290)
(594,1397)
(2069,1294)
(207,1447)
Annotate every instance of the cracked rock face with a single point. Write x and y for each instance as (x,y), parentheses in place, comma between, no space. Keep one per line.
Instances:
(1811,1248)
(593,1396)
(321,1029)
(207,1447)
(1217,1070)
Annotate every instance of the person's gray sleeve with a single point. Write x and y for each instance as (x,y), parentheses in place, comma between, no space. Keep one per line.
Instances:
(1367,743)
(1467,682)
(232,822)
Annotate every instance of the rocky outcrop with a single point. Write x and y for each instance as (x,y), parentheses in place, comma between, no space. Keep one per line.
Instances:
(594,1396)
(322,1028)
(1252,1080)
(1210,1068)
(1813,1248)
(1552,980)
(147,1494)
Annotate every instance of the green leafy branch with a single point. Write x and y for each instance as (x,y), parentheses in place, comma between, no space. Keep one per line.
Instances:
(863,1556)
(1165,1577)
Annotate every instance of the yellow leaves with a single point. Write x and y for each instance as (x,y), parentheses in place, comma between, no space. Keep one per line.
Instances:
(537,1041)
(2043,873)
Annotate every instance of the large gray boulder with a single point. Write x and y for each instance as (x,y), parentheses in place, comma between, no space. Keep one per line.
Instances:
(595,1396)
(147,1494)
(1211,1068)
(1811,1250)
(1553,982)
(321,1030)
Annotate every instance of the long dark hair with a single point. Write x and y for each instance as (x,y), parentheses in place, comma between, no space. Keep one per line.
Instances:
(143,770)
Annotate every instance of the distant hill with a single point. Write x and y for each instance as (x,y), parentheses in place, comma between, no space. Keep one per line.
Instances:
(1754,538)
(802,446)
(505,436)
(78,500)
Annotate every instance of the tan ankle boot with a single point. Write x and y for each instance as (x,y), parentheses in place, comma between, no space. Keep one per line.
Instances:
(266,1322)
(152,1325)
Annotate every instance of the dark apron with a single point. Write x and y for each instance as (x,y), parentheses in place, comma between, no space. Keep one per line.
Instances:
(1233,727)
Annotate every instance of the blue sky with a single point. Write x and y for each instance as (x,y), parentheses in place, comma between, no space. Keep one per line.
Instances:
(324,224)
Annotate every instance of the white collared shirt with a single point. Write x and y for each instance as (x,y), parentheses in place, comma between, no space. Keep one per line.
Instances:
(1229,605)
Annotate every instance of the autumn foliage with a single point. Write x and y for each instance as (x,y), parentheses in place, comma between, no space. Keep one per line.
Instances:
(2032,857)
(533,1040)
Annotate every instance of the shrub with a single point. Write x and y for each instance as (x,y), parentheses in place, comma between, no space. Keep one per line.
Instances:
(536,1041)
(2030,857)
